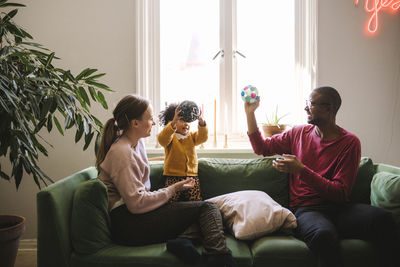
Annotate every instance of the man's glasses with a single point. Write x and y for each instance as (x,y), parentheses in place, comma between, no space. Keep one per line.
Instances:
(311,104)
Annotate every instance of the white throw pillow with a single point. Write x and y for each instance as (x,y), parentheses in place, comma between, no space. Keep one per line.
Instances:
(250,214)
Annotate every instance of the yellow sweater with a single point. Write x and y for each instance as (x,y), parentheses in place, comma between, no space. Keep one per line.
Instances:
(180,155)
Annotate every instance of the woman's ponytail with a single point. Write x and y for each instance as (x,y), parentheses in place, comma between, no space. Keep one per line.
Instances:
(110,132)
(128,108)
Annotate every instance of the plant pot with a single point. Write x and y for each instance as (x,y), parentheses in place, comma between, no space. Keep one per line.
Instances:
(11,229)
(270,130)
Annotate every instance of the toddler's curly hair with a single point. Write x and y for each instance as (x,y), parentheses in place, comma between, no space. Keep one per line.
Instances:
(167,114)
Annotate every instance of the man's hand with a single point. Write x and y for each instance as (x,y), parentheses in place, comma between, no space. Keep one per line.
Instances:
(250,108)
(250,116)
(289,163)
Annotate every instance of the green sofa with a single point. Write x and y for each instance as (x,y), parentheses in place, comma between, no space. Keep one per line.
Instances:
(73,223)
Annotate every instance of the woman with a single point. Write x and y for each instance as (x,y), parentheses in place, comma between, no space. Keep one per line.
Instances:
(140,216)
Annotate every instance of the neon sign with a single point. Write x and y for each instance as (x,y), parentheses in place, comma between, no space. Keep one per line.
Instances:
(373,7)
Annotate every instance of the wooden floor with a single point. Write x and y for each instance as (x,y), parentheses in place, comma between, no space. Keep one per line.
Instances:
(26,256)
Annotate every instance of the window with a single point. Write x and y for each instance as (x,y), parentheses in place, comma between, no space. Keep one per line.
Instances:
(208,50)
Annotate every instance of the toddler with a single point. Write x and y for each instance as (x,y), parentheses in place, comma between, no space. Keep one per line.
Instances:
(180,154)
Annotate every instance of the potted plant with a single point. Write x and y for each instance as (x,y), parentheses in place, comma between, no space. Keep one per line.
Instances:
(35,96)
(272,124)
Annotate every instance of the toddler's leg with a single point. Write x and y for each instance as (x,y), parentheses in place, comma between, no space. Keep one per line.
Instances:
(194,194)
(214,240)
(170,180)
(211,227)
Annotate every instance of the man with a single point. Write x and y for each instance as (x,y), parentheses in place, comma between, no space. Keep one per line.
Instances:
(322,159)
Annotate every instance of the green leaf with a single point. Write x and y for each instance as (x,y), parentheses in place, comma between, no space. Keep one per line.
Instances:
(4,175)
(46,107)
(53,105)
(4,143)
(18,39)
(102,99)
(11,4)
(39,146)
(27,35)
(36,179)
(78,134)
(17,171)
(88,139)
(78,119)
(58,125)
(86,72)
(69,122)
(93,93)
(10,15)
(49,123)
(10,98)
(42,174)
(26,165)
(94,77)
(85,126)
(4,105)
(40,125)
(97,121)
(80,75)
(70,76)
(49,59)
(84,95)
(100,85)
(97,143)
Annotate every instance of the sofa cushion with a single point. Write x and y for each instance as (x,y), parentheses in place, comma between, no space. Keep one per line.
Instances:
(90,222)
(154,255)
(250,214)
(385,193)
(362,185)
(220,176)
(277,251)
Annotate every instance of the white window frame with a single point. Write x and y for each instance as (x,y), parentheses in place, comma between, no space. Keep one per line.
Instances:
(148,57)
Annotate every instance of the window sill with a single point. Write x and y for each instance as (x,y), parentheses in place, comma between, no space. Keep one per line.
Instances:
(208,151)
(238,146)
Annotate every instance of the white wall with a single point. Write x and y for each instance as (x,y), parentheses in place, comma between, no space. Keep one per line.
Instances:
(100,34)
(366,71)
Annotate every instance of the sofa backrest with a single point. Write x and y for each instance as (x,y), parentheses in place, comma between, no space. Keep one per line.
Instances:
(220,176)
(54,207)
(361,190)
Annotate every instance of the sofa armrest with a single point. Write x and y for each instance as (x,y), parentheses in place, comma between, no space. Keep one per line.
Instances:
(54,207)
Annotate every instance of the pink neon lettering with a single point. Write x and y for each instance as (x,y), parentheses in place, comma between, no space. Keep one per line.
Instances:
(374,9)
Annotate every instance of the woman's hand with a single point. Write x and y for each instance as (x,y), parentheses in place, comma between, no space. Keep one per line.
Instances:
(188,183)
(289,163)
